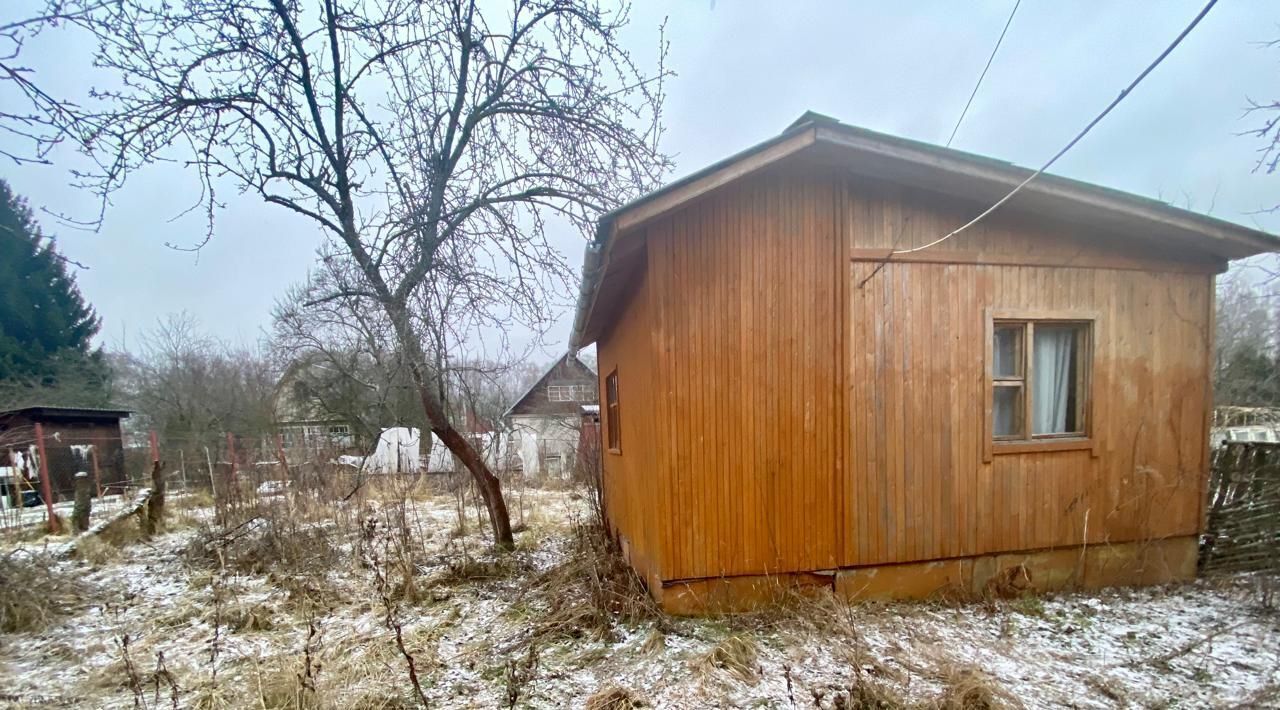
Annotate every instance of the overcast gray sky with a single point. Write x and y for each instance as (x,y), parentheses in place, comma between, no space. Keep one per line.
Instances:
(744,71)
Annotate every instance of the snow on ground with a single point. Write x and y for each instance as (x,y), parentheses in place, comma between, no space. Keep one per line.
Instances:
(241,639)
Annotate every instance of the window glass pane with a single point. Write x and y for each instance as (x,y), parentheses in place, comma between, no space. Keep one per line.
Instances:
(1006,351)
(1006,411)
(1054,369)
(614,412)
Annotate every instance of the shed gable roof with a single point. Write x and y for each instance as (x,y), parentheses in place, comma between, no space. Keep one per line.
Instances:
(879,156)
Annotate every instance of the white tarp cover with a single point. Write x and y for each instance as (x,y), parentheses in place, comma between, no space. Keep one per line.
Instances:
(397,451)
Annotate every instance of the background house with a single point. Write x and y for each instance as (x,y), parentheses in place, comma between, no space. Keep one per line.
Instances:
(798,381)
(304,420)
(75,439)
(545,422)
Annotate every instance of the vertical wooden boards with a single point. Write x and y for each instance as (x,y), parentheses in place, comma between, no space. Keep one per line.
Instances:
(791,405)
(918,488)
(750,280)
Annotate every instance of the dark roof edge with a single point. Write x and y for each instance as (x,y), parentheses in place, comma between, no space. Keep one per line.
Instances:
(104,411)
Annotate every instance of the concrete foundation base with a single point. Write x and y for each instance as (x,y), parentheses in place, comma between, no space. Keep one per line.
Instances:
(1005,574)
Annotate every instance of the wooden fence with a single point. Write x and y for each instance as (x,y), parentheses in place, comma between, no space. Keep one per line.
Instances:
(1242,528)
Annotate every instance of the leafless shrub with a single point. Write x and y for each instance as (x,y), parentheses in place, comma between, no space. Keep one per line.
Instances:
(33,592)
(393,623)
(862,694)
(132,678)
(588,593)
(267,541)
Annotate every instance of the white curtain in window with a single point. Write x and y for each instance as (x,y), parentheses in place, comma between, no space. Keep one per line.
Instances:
(1052,372)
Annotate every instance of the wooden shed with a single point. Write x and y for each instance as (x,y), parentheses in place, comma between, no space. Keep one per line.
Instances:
(76,439)
(789,395)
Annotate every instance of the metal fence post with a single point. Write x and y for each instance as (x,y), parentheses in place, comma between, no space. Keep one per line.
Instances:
(46,488)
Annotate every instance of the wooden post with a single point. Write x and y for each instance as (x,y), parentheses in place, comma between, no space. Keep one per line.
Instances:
(284,464)
(155,447)
(97,476)
(182,466)
(46,488)
(84,502)
(231,456)
(155,504)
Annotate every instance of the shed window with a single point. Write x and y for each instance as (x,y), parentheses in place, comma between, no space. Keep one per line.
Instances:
(1039,371)
(614,423)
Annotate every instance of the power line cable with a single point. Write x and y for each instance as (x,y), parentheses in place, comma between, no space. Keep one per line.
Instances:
(1079,136)
(983,75)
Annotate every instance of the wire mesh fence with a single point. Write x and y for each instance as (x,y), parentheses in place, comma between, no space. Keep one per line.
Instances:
(38,489)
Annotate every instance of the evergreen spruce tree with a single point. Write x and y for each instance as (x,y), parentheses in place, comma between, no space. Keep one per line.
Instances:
(46,328)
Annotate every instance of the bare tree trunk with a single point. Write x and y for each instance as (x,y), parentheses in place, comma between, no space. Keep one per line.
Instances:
(489,485)
(155,503)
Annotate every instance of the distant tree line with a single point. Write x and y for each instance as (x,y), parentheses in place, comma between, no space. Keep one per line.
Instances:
(1247,359)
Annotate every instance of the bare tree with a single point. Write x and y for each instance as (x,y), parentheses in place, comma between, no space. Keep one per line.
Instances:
(341,349)
(28,112)
(431,141)
(193,389)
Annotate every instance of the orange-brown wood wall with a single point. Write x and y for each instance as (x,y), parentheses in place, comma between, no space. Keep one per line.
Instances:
(779,414)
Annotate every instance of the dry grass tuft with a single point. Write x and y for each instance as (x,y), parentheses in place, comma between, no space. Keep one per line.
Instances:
(33,592)
(614,697)
(736,655)
(244,617)
(968,688)
(655,643)
(121,534)
(96,551)
(196,499)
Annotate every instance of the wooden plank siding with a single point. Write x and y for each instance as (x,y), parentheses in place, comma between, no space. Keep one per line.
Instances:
(789,403)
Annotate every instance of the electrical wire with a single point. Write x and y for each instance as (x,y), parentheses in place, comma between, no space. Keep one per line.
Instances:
(1074,141)
(983,75)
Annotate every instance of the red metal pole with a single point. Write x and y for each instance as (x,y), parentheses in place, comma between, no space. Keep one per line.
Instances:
(155,447)
(46,489)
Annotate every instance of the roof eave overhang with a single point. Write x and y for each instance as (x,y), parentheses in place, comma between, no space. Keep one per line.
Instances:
(942,170)
(599,256)
(974,177)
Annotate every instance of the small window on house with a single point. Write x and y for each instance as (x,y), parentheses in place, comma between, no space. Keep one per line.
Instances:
(614,423)
(1039,373)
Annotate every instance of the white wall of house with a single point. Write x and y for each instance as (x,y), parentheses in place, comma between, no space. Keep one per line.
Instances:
(546,445)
